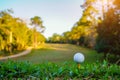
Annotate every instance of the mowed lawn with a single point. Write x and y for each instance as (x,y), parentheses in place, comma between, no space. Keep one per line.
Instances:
(59,53)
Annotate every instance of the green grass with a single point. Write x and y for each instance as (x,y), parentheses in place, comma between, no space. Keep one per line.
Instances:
(59,53)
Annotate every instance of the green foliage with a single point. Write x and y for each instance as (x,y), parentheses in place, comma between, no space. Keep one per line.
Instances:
(108,40)
(38,27)
(56,38)
(45,71)
(36,20)
(14,33)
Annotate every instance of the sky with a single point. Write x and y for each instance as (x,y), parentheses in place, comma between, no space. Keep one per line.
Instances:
(58,16)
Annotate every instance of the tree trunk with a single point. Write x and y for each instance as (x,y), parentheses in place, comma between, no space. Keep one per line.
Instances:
(10,42)
(77,43)
(35,39)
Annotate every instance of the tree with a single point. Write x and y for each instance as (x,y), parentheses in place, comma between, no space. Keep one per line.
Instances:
(14,33)
(6,27)
(108,40)
(84,32)
(89,19)
(20,34)
(67,36)
(56,38)
(37,22)
(76,33)
(40,38)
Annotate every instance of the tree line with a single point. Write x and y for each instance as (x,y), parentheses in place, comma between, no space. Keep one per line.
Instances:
(16,35)
(98,28)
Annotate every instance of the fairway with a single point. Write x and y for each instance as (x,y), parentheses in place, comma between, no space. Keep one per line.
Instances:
(59,53)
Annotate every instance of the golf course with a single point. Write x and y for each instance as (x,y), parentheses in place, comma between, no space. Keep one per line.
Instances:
(60,40)
(59,53)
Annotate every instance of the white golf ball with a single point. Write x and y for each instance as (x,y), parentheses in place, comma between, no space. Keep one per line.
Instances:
(79,57)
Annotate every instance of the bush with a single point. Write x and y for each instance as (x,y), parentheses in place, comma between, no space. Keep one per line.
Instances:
(45,71)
